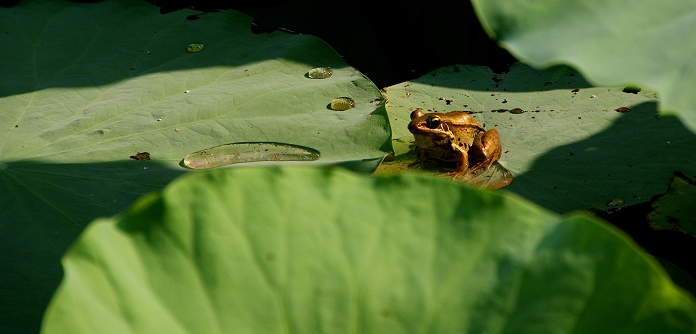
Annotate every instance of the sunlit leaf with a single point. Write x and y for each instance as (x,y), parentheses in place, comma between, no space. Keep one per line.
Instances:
(614,42)
(327,251)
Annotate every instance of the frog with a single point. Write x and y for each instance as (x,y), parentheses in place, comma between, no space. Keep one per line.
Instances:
(454,137)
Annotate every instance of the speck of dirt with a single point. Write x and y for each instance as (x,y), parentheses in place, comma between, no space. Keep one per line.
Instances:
(141,156)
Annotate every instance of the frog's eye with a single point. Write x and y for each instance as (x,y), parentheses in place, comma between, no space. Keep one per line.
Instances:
(416,113)
(433,122)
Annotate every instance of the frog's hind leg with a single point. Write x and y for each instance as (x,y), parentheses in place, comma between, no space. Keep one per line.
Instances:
(486,149)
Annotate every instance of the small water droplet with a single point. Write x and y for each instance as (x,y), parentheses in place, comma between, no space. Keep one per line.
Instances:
(320,73)
(612,211)
(616,202)
(342,103)
(194,47)
(631,89)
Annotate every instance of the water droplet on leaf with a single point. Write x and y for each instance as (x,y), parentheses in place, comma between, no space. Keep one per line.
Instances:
(615,202)
(342,103)
(234,153)
(631,89)
(320,73)
(194,47)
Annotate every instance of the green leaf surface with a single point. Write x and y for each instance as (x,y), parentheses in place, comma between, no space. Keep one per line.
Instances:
(615,42)
(86,86)
(297,250)
(576,152)
(675,210)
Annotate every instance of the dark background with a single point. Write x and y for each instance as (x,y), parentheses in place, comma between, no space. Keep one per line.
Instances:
(389,44)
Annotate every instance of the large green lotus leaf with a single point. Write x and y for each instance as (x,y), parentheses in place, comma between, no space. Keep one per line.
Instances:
(615,42)
(86,86)
(568,150)
(297,250)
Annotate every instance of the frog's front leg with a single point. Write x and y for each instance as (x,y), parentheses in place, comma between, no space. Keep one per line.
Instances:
(485,150)
(461,159)
(422,159)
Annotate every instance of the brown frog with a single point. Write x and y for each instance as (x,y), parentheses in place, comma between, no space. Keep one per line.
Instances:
(454,137)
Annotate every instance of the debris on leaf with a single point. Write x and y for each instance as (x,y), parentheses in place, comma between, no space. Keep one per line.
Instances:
(141,156)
